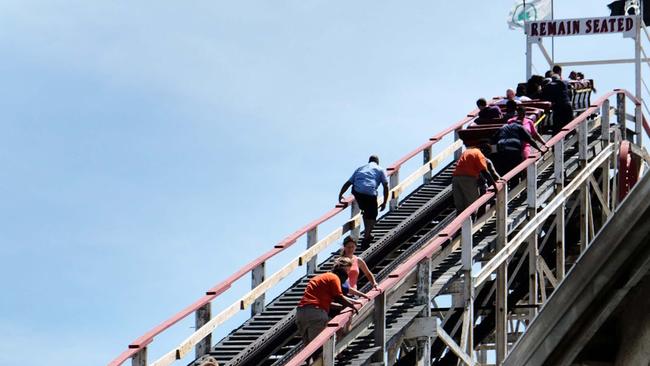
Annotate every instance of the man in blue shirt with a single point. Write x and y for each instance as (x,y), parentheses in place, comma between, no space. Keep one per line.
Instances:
(365,181)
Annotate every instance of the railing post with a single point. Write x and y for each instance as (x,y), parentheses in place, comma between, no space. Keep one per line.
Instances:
(501,340)
(466,260)
(258,275)
(605,137)
(426,157)
(394,181)
(457,152)
(638,116)
(621,114)
(312,239)
(423,345)
(354,211)
(140,358)
(531,200)
(202,316)
(380,328)
(329,351)
(558,172)
(583,194)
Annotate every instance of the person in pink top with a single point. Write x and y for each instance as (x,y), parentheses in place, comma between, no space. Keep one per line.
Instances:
(358,264)
(528,124)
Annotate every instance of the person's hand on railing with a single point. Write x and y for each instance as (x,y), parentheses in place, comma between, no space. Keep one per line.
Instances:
(382,206)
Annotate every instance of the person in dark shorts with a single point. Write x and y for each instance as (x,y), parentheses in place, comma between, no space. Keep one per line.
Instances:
(365,181)
(321,291)
(470,166)
(510,140)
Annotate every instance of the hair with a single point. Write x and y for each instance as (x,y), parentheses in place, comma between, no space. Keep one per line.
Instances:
(481,102)
(557,69)
(341,262)
(521,90)
(521,109)
(511,105)
(373,158)
(548,74)
(349,239)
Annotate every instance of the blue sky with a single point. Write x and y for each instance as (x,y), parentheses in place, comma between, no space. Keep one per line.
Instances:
(149,149)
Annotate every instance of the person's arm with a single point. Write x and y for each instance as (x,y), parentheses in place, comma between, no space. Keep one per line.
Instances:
(358,293)
(529,139)
(383,204)
(491,174)
(366,271)
(345,187)
(346,301)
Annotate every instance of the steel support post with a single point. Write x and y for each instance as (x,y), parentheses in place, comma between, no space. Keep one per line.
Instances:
(583,194)
(380,328)
(638,113)
(621,114)
(202,317)
(423,345)
(529,58)
(501,340)
(394,181)
(312,239)
(605,137)
(140,358)
(426,157)
(466,259)
(354,211)
(531,200)
(457,152)
(258,275)
(558,172)
(329,351)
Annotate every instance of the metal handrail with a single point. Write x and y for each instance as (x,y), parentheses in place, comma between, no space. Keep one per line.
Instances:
(447,233)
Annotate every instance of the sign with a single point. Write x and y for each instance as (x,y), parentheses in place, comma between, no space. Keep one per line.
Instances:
(584,26)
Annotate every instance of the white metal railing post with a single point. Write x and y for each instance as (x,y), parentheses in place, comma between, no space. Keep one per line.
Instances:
(638,123)
(202,317)
(583,194)
(140,358)
(258,275)
(329,351)
(605,138)
(426,157)
(380,328)
(621,114)
(457,152)
(394,181)
(312,239)
(558,172)
(531,200)
(354,211)
(501,340)
(423,344)
(466,260)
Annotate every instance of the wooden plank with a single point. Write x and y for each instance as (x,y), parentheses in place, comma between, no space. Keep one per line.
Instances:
(453,346)
(596,188)
(547,271)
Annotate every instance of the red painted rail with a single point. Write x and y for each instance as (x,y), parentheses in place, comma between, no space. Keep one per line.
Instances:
(135,346)
(445,235)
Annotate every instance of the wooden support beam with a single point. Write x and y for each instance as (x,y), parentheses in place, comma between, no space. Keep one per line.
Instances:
(453,346)
(380,328)
(558,172)
(312,239)
(531,199)
(501,310)
(467,334)
(423,344)
(140,358)
(426,156)
(620,114)
(202,317)
(258,275)
(329,348)
(394,182)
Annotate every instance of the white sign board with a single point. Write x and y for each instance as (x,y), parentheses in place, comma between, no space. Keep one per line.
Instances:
(581,27)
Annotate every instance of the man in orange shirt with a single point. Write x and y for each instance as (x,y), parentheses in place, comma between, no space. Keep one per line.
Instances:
(311,315)
(470,166)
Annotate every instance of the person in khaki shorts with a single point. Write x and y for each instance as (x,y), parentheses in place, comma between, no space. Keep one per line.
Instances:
(471,164)
(321,291)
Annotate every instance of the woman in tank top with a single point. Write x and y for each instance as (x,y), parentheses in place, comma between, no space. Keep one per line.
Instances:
(358,264)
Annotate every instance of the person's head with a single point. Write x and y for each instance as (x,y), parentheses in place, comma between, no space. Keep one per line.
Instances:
(573,75)
(521,90)
(373,159)
(580,76)
(521,113)
(510,94)
(557,69)
(349,246)
(511,106)
(342,267)
(481,103)
(548,74)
